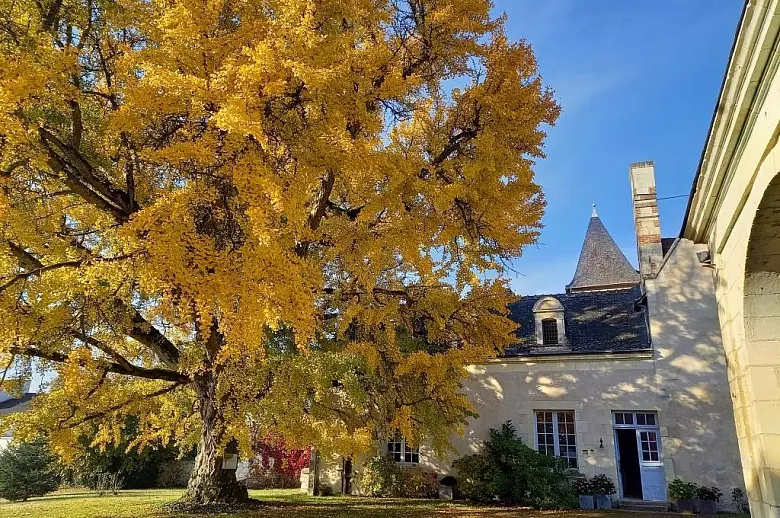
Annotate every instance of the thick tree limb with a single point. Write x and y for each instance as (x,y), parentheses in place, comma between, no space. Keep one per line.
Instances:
(77,125)
(116,368)
(97,344)
(318,211)
(83,179)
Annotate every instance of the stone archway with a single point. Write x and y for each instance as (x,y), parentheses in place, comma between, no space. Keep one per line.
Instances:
(758,383)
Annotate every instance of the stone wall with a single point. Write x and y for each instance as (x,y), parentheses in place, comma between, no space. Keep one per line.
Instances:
(739,169)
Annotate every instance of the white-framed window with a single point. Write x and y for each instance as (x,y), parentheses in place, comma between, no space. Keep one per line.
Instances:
(634,419)
(649,444)
(555,434)
(401,452)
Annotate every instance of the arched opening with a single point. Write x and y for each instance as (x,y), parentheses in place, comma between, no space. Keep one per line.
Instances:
(762,277)
(757,386)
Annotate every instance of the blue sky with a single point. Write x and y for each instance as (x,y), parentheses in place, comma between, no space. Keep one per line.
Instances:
(638,80)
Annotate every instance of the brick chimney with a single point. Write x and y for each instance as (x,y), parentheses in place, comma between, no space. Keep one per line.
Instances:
(648,227)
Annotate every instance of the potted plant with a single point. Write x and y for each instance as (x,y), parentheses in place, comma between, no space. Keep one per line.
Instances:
(683,493)
(603,489)
(740,500)
(584,491)
(706,499)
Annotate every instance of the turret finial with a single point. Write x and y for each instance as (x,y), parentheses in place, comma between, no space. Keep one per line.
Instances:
(593,213)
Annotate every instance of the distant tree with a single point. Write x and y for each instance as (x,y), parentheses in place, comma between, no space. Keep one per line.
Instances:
(26,470)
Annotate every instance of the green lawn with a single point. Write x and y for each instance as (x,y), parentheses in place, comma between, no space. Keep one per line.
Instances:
(280,504)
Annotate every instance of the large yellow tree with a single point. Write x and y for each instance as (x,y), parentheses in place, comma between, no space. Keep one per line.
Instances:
(289,214)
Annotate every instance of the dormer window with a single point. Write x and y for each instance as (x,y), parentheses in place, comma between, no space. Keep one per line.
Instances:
(549,322)
(549,331)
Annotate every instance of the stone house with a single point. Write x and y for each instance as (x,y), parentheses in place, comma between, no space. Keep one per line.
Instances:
(623,373)
(11,405)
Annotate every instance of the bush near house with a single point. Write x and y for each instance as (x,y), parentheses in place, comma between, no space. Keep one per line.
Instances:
(681,490)
(27,470)
(710,493)
(510,472)
(383,477)
(602,485)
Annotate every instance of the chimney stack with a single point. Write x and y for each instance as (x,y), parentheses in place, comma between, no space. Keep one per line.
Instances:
(646,222)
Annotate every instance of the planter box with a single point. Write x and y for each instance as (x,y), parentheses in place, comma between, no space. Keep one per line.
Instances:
(586,502)
(704,506)
(603,501)
(685,506)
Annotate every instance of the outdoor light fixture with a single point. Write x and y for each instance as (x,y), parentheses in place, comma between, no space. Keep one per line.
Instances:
(705,258)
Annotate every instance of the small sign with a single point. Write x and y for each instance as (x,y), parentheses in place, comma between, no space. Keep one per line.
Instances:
(230,461)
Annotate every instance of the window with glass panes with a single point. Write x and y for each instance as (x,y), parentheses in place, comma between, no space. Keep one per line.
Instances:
(402,452)
(649,441)
(549,331)
(555,434)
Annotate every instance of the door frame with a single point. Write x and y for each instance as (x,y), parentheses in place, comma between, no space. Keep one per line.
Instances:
(638,428)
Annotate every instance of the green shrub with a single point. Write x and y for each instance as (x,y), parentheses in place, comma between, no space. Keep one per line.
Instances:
(508,471)
(383,477)
(708,493)
(582,486)
(680,490)
(415,482)
(602,485)
(739,500)
(27,470)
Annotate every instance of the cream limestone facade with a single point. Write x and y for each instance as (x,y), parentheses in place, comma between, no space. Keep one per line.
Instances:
(682,379)
(734,212)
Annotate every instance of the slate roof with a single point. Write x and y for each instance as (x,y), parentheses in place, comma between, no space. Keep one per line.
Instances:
(9,406)
(596,321)
(601,262)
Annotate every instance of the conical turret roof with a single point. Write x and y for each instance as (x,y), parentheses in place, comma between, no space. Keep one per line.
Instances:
(602,265)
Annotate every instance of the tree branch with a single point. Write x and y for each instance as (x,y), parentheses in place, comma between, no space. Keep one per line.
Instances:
(116,368)
(83,179)
(141,330)
(119,406)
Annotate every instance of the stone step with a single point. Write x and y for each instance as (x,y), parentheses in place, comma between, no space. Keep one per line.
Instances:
(640,505)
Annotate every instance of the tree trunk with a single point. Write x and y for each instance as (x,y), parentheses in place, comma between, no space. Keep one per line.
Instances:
(209,483)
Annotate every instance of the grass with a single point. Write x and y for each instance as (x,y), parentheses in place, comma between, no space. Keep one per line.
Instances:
(280,504)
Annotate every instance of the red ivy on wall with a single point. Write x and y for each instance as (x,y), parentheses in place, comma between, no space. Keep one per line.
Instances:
(283,460)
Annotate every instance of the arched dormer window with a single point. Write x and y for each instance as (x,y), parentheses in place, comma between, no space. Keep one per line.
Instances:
(550,324)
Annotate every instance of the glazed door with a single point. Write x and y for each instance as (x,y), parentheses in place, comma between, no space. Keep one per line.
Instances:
(640,462)
(650,465)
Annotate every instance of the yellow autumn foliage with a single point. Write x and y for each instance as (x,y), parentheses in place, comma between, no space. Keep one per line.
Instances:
(293,215)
